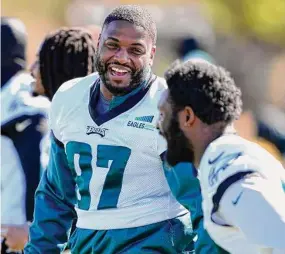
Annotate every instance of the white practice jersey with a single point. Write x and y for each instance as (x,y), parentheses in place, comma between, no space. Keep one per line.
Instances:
(233,172)
(13,185)
(18,112)
(115,156)
(16,99)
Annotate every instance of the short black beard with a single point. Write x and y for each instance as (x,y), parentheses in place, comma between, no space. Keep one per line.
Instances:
(137,77)
(179,149)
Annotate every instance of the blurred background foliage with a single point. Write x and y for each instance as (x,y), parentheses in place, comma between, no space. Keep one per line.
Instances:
(47,9)
(40,17)
(263,19)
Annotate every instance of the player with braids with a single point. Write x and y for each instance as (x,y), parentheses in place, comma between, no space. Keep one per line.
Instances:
(65,54)
(21,114)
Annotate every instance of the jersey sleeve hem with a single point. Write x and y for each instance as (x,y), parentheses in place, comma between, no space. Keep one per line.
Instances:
(59,143)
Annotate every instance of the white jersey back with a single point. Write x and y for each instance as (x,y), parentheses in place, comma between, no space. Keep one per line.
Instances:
(116,155)
(16,99)
(225,161)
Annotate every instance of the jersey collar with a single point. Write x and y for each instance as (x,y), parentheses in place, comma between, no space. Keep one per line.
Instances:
(119,104)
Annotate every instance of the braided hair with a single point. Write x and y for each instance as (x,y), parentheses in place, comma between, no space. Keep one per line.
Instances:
(65,54)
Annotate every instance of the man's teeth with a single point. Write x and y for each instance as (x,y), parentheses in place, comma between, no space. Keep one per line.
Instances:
(119,70)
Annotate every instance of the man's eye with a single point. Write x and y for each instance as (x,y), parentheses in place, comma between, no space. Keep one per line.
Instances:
(136,51)
(112,45)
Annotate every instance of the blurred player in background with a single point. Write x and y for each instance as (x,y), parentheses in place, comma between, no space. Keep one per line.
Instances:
(65,54)
(105,154)
(21,115)
(247,126)
(243,186)
(191,48)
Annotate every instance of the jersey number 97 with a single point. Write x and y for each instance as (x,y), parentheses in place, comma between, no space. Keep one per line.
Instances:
(79,156)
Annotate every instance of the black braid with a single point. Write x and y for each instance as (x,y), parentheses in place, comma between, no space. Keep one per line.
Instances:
(65,54)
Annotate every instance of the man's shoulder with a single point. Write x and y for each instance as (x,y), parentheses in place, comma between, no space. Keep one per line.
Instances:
(72,92)
(75,87)
(16,86)
(232,155)
(71,96)
(158,86)
(22,81)
(17,100)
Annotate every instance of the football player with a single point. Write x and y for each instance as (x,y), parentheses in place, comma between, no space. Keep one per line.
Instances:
(105,169)
(242,184)
(64,54)
(21,114)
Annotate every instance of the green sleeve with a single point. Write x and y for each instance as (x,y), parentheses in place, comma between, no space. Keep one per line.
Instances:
(185,186)
(54,205)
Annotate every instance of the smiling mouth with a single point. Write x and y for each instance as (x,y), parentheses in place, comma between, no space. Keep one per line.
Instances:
(119,71)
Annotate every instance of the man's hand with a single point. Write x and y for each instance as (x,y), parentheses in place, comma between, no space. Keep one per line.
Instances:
(16,236)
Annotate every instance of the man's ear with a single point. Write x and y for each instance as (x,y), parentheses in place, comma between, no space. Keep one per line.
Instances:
(189,117)
(152,54)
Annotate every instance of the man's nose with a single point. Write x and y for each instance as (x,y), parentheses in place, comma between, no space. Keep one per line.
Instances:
(122,56)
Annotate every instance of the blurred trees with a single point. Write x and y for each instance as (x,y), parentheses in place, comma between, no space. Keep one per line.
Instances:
(40,17)
(261,19)
(48,9)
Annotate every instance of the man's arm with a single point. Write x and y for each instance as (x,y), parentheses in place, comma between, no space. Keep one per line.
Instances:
(185,186)
(256,206)
(54,205)
(203,244)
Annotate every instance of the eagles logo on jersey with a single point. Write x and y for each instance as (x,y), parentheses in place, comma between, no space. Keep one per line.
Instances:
(113,155)
(227,160)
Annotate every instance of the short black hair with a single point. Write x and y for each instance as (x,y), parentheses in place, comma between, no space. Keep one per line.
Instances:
(136,15)
(65,54)
(208,89)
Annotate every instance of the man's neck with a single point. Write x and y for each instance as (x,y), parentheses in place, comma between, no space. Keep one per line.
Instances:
(105,92)
(209,134)
(116,100)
